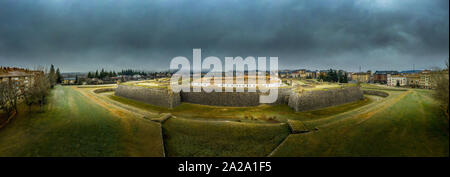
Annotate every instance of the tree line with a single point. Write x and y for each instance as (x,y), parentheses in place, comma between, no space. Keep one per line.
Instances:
(130,72)
(334,76)
(104,74)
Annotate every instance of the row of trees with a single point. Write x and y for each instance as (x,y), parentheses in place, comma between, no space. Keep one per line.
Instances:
(130,72)
(334,76)
(103,74)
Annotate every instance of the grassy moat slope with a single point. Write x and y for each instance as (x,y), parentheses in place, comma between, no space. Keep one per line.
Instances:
(197,138)
(73,125)
(408,124)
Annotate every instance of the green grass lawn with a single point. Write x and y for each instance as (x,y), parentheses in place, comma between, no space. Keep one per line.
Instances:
(186,137)
(412,126)
(72,125)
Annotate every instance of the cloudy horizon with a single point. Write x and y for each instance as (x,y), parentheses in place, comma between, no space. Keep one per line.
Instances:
(88,35)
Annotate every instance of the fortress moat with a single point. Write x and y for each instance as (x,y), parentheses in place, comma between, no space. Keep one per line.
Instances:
(299,95)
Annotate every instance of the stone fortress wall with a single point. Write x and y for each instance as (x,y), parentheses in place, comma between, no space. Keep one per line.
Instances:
(102,90)
(316,99)
(155,96)
(376,93)
(307,100)
(234,99)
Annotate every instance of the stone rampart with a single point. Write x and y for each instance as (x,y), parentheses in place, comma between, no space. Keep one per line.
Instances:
(307,100)
(316,99)
(155,96)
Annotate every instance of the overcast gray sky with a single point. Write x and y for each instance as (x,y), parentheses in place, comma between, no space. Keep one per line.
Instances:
(83,35)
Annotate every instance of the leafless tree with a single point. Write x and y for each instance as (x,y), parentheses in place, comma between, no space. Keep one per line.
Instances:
(9,95)
(12,91)
(40,89)
(29,96)
(440,80)
(4,98)
(16,92)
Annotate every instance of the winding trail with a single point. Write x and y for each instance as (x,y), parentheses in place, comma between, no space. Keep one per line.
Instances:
(368,113)
(117,108)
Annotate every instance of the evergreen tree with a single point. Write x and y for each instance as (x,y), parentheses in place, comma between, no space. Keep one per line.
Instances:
(344,79)
(331,76)
(102,74)
(341,77)
(59,78)
(96,74)
(52,76)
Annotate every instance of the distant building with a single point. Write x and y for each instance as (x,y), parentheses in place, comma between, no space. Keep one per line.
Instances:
(137,76)
(69,81)
(295,74)
(425,80)
(381,76)
(413,80)
(302,73)
(94,81)
(22,77)
(116,78)
(283,73)
(311,74)
(412,77)
(396,80)
(407,72)
(361,77)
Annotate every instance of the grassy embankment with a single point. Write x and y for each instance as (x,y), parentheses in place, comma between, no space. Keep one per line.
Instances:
(406,124)
(186,137)
(192,137)
(72,125)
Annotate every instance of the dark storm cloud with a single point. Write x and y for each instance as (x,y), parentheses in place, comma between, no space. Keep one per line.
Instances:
(85,35)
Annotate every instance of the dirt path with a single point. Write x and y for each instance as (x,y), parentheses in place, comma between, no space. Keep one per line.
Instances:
(144,112)
(120,111)
(388,103)
(364,113)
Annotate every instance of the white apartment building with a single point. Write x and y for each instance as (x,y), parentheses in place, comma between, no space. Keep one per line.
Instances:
(396,80)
